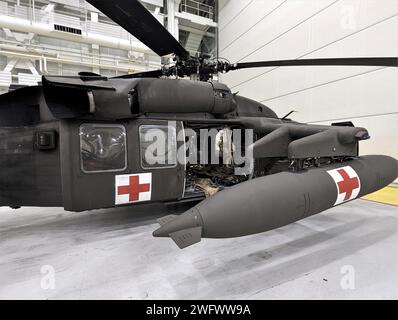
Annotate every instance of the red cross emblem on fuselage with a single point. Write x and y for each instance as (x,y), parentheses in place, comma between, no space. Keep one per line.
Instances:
(348,185)
(134,188)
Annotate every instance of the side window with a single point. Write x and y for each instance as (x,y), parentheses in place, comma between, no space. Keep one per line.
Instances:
(158,146)
(102,148)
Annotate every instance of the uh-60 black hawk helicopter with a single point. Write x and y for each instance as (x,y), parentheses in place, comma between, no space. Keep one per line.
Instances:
(81,143)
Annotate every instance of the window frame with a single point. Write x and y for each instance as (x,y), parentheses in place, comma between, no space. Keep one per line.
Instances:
(158,167)
(99,125)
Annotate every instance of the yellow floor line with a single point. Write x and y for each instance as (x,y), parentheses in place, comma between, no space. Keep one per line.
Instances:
(388,195)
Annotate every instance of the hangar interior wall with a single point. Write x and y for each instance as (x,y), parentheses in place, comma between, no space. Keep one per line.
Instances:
(63,37)
(251,30)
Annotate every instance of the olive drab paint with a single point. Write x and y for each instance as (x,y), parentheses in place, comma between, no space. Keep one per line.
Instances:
(270,202)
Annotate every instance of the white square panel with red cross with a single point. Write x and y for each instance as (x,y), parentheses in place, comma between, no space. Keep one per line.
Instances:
(347,182)
(131,188)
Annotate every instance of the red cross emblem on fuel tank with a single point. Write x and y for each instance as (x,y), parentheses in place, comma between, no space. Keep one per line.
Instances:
(347,185)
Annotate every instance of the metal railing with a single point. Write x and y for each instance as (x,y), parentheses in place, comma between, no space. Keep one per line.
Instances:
(63,52)
(197,8)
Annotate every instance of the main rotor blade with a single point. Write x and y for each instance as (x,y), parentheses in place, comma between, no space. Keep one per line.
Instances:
(145,74)
(137,20)
(382,62)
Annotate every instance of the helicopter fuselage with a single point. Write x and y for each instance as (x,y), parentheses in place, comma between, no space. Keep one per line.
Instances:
(71,142)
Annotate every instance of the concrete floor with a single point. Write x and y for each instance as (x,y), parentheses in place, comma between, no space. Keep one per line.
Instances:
(111,254)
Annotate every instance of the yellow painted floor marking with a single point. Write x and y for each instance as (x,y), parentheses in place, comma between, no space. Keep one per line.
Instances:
(388,195)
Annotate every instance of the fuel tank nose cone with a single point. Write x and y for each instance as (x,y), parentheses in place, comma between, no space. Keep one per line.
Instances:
(185,230)
(160,233)
(190,219)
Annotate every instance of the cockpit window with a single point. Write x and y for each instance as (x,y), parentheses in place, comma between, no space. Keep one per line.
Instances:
(103,148)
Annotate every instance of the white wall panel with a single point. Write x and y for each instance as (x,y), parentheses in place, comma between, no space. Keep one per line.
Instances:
(363,95)
(231,10)
(251,15)
(324,35)
(266,31)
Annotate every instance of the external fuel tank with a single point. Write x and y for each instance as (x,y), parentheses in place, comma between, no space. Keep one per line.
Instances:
(270,202)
